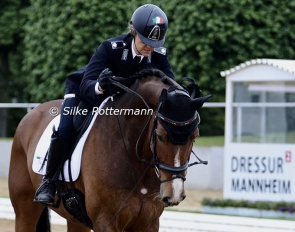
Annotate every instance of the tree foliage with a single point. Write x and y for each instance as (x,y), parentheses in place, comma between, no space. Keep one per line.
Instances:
(11,34)
(209,36)
(204,38)
(12,20)
(60,38)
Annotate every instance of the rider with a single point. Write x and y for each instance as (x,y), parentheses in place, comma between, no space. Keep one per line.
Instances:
(121,56)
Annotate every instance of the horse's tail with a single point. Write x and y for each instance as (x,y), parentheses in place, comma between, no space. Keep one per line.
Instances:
(43,224)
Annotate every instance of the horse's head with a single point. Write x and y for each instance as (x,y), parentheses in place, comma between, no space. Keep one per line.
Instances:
(173,131)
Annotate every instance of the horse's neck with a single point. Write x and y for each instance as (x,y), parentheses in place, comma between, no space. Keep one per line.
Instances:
(149,89)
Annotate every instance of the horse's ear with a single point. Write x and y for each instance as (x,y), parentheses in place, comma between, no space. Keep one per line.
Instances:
(163,96)
(197,103)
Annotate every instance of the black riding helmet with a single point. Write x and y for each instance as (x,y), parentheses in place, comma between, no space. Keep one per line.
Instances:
(151,24)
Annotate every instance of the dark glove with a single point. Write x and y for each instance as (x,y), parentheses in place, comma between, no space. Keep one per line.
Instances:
(104,81)
(193,88)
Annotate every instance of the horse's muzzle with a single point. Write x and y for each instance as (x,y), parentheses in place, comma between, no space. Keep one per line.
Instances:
(172,192)
(169,201)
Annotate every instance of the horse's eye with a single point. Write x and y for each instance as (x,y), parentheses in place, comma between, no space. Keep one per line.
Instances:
(161,138)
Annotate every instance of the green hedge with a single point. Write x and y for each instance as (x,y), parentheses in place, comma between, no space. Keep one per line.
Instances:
(204,38)
(261,205)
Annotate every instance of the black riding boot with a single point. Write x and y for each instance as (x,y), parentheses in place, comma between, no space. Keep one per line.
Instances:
(56,153)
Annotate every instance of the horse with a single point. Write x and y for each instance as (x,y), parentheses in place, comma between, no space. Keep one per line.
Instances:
(133,165)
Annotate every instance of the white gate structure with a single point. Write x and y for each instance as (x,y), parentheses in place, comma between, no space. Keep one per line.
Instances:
(260,131)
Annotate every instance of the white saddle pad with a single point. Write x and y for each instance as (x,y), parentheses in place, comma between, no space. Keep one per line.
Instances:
(44,143)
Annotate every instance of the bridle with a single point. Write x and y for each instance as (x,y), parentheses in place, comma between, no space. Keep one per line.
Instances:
(177,172)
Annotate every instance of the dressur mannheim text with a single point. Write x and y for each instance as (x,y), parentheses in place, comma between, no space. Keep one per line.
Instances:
(259,172)
(272,166)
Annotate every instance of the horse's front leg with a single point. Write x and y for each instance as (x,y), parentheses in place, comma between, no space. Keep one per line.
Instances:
(151,226)
(106,224)
(112,222)
(75,227)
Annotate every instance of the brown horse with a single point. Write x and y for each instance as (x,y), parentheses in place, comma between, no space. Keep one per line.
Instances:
(122,152)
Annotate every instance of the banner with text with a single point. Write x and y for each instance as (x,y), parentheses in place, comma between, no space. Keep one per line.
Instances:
(259,172)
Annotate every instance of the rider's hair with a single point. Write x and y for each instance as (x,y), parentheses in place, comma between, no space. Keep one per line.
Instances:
(132,31)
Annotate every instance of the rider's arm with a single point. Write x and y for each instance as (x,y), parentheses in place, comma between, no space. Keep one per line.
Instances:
(90,83)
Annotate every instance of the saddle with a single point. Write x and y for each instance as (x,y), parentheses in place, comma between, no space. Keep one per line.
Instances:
(72,198)
(71,170)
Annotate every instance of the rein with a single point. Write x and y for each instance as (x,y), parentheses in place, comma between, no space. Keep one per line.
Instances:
(175,171)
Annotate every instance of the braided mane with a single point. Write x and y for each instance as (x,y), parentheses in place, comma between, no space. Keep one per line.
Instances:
(152,72)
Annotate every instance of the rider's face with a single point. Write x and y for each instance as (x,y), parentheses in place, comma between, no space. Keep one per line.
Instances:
(142,48)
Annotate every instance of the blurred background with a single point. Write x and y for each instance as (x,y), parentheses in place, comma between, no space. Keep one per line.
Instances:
(41,42)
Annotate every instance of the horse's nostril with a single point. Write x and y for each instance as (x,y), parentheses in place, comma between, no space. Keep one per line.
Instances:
(170,202)
(166,200)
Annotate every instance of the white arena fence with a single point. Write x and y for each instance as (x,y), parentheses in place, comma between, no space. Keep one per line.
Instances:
(30,106)
(175,221)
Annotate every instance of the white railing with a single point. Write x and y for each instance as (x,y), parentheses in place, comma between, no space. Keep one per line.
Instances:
(206,104)
(30,106)
(263,104)
(214,104)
